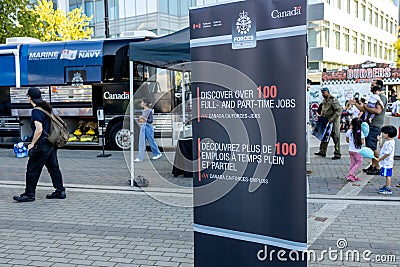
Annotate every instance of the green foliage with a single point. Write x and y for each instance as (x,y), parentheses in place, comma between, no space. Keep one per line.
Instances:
(19,18)
(56,25)
(16,20)
(397,52)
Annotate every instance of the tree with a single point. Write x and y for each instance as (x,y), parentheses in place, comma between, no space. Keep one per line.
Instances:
(397,52)
(16,20)
(56,25)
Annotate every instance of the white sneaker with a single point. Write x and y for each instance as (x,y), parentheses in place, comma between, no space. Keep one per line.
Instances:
(158,156)
(137,160)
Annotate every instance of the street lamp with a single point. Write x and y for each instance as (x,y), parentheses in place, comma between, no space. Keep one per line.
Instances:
(106,22)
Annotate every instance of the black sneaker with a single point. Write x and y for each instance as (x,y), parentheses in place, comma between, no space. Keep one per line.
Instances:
(368,169)
(320,154)
(24,198)
(374,171)
(57,195)
(336,157)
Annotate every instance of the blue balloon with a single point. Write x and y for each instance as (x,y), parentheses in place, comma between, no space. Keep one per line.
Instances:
(366,152)
(365,129)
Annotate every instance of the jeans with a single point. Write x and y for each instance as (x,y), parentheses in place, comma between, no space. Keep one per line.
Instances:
(43,154)
(147,133)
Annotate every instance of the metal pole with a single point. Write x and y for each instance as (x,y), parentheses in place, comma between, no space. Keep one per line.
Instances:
(183,101)
(106,22)
(131,120)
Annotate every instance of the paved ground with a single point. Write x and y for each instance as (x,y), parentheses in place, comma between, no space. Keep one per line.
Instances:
(105,222)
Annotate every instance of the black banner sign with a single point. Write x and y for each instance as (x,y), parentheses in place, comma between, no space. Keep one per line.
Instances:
(249,133)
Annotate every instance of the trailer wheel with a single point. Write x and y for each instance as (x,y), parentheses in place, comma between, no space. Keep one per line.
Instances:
(119,137)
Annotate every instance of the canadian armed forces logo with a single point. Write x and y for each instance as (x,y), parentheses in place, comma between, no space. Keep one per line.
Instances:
(244,31)
(243,23)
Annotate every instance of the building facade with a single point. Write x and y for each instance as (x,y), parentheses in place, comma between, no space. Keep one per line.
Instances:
(346,32)
(340,32)
(158,16)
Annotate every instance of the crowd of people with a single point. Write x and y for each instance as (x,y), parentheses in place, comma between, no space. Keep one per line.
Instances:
(370,112)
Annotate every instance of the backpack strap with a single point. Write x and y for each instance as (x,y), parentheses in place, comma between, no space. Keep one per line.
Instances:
(47,113)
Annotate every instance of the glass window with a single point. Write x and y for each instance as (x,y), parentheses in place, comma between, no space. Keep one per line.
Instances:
(381,21)
(363,12)
(380,55)
(99,11)
(355,44)
(113,10)
(313,65)
(369,47)
(325,39)
(89,10)
(173,7)
(386,24)
(72,5)
(362,44)
(390,54)
(164,6)
(376,18)
(130,8)
(336,33)
(339,4)
(370,15)
(346,36)
(152,6)
(313,36)
(141,7)
(184,7)
(356,8)
(375,49)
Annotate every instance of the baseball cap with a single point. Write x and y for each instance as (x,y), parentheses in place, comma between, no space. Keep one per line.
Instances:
(35,95)
(324,89)
(379,82)
(309,81)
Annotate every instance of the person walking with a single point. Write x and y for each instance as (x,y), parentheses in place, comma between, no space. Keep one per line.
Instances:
(386,157)
(41,152)
(147,132)
(331,110)
(355,138)
(375,126)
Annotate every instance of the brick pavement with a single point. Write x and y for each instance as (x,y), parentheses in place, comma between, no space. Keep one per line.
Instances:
(121,227)
(83,167)
(96,229)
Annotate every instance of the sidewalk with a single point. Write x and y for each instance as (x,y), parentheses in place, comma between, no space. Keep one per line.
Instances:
(105,222)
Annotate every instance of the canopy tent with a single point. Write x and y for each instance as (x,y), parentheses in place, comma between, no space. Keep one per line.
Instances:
(163,52)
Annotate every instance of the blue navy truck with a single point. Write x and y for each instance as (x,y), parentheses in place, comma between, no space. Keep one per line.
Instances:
(79,78)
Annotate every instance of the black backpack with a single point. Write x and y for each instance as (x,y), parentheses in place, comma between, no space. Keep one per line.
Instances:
(58,134)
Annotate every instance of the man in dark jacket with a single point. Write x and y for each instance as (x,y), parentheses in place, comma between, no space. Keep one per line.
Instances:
(331,110)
